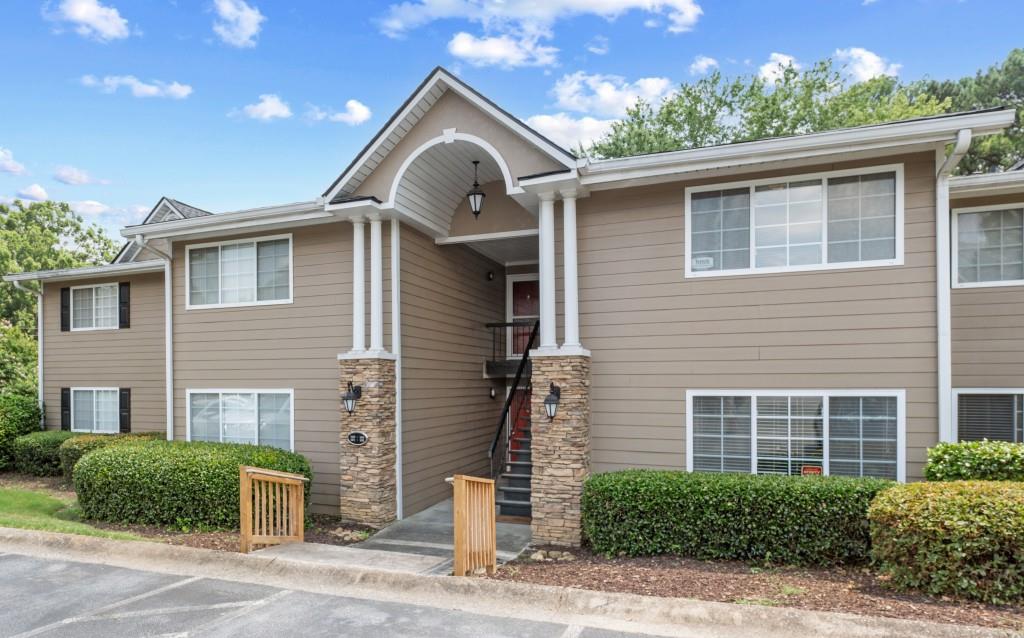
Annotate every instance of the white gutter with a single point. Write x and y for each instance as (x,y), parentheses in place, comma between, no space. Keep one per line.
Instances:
(987,184)
(168,332)
(39,348)
(943,279)
(67,274)
(396,349)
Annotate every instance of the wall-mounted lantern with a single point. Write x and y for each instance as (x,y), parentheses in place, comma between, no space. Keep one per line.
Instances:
(551,401)
(353,394)
(475,196)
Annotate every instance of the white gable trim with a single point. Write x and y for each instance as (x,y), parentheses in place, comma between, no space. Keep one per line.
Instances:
(441,78)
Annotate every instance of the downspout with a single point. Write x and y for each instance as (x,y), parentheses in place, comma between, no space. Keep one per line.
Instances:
(943,279)
(168,334)
(396,349)
(39,349)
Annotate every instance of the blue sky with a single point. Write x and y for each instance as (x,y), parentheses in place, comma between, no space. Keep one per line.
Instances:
(230,104)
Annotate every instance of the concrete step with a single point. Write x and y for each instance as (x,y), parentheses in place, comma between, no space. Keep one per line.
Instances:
(511,479)
(513,508)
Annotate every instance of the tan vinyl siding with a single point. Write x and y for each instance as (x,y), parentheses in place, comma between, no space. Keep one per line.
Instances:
(124,358)
(280,346)
(988,325)
(653,334)
(448,418)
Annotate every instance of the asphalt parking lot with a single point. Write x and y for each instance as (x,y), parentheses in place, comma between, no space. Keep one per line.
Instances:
(42,597)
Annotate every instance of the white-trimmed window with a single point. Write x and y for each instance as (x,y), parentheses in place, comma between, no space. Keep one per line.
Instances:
(837,432)
(839,219)
(992,414)
(258,417)
(94,307)
(95,410)
(240,272)
(988,246)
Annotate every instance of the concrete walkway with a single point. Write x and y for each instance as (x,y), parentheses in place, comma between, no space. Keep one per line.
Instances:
(420,544)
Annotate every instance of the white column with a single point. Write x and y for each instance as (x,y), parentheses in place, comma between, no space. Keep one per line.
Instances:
(376,287)
(358,287)
(169,347)
(571,292)
(40,330)
(548,339)
(943,283)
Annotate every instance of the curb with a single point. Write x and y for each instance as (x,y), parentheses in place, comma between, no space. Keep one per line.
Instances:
(629,612)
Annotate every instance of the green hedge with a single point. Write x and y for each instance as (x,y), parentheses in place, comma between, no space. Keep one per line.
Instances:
(19,415)
(976,460)
(961,538)
(184,484)
(38,453)
(76,447)
(770,519)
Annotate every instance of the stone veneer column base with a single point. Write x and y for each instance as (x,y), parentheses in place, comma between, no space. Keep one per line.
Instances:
(368,471)
(560,449)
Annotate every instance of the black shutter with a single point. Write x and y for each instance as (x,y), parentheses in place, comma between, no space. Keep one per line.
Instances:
(125,410)
(123,304)
(65,408)
(65,309)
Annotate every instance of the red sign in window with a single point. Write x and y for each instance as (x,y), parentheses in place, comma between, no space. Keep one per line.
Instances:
(810,470)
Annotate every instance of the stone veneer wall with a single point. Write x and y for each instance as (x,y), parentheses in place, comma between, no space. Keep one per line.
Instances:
(560,449)
(368,471)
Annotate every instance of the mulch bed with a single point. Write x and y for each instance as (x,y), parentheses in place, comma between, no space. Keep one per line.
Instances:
(851,590)
(325,529)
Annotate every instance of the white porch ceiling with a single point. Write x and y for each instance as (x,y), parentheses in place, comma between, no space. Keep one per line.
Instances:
(438,180)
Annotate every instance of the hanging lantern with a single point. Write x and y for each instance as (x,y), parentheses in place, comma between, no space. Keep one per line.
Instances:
(551,402)
(475,196)
(353,394)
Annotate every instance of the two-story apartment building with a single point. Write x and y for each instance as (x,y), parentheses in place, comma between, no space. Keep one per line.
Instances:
(467,297)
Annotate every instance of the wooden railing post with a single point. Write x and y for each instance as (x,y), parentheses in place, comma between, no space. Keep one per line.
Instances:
(475,525)
(271,507)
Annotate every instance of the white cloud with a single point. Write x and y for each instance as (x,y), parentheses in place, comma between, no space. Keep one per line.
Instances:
(33,192)
(8,164)
(502,50)
(89,207)
(702,64)
(270,107)
(238,24)
(777,62)
(355,113)
(530,15)
(598,45)
(91,19)
(608,95)
(867,2)
(155,88)
(75,176)
(863,65)
(568,131)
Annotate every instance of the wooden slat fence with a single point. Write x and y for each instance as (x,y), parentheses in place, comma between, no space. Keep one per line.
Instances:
(475,525)
(271,507)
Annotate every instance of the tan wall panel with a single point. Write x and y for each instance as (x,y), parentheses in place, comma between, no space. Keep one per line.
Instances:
(448,418)
(282,346)
(130,358)
(653,334)
(499,213)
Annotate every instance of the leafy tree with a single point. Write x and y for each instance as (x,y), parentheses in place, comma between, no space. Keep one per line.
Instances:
(999,85)
(714,110)
(17,360)
(43,236)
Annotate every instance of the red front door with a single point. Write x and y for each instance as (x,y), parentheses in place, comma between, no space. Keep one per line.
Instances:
(525,305)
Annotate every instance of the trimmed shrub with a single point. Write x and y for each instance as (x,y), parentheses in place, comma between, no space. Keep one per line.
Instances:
(37,453)
(961,538)
(179,483)
(76,447)
(19,415)
(976,461)
(800,520)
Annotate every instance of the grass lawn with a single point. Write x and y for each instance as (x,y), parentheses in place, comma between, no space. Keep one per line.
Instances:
(31,509)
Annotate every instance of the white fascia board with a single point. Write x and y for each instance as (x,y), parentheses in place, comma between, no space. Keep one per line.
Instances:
(987,184)
(106,270)
(237,221)
(845,141)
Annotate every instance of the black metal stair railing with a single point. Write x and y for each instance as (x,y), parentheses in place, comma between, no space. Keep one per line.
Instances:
(498,453)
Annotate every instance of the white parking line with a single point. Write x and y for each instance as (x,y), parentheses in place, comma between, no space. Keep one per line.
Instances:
(572,631)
